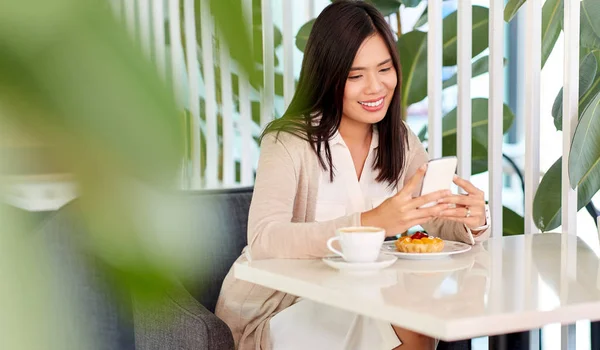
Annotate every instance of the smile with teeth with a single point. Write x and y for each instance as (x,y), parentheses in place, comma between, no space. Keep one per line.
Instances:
(372,104)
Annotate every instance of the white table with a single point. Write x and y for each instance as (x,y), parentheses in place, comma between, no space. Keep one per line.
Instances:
(508,284)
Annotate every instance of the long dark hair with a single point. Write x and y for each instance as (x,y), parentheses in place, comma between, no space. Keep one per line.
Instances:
(336,36)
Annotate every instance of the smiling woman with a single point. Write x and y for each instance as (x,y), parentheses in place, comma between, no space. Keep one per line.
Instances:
(340,156)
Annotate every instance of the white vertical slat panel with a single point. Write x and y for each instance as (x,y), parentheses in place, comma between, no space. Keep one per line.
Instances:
(495,115)
(463,134)
(193,74)
(212,149)
(434,77)
(176,52)
(130,17)
(144,17)
(309,9)
(227,113)
(245,125)
(533,49)
(568,273)
(569,124)
(570,110)
(288,52)
(158,27)
(177,71)
(268,93)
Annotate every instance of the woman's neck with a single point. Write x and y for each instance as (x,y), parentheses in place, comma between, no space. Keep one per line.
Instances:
(355,134)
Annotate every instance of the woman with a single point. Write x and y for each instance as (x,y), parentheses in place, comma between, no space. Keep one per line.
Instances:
(340,156)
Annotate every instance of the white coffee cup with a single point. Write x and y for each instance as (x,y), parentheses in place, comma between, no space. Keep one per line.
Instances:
(359,244)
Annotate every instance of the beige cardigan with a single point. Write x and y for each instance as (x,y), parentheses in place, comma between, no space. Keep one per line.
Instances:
(281,225)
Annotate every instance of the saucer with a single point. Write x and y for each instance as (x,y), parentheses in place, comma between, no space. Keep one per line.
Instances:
(337,262)
(450,248)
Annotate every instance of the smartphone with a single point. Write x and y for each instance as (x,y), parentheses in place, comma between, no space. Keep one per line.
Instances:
(438,176)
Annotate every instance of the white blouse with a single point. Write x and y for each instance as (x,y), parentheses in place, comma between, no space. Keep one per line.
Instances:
(346,194)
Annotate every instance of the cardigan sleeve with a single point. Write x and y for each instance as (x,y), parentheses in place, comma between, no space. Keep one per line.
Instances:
(271,232)
(445,229)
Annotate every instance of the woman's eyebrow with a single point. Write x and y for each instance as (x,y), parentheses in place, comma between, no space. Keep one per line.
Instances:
(363,68)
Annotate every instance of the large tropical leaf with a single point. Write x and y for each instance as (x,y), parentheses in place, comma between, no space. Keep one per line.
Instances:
(479,120)
(411,3)
(584,171)
(512,223)
(423,19)
(479,132)
(584,158)
(511,8)
(387,7)
(589,86)
(547,200)
(479,67)
(552,15)
(479,163)
(588,36)
(480,34)
(592,10)
(229,19)
(412,48)
(303,33)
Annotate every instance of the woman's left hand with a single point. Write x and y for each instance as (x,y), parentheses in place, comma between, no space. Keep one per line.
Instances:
(470,207)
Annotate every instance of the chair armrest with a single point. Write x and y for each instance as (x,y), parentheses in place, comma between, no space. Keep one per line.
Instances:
(179,321)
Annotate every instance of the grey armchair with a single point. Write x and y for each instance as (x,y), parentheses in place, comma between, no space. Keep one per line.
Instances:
(117,322)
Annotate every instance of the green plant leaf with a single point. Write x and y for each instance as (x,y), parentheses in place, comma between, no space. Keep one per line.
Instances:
(303,33)
(592,10)
(552,16)
(422,20)
(480,34)
(584,158)
(512,223)
(547,200)
(478,153)
(479,67)
(479,107)
(589,86)
(229,19)
(387,7)
(411,3)
(479,117)
(511,9)
(587,36)
(412,48)
(479,120)
(258,44)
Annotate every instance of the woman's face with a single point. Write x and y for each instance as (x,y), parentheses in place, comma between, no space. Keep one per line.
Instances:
(370,84)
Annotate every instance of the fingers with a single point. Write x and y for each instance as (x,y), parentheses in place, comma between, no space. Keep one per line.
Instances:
(431,197)
(415,181)
(419,214)
(463,200)
(467,186)
(461,212)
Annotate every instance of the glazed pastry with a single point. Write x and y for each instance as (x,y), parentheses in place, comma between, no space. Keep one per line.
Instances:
(420,242)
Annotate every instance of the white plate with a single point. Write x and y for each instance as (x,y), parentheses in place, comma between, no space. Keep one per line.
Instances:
(450,248)
(337,262)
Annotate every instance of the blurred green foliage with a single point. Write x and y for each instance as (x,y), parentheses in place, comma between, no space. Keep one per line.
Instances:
(74,80)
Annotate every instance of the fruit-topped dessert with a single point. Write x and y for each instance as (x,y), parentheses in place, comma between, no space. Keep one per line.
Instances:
(420,242)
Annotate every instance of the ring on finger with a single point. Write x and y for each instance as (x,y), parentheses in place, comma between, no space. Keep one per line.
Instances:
(468,212)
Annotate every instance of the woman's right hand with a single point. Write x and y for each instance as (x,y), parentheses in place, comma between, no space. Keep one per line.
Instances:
(400,212)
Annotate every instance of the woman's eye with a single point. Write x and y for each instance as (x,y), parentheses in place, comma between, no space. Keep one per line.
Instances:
(354,77)
(386,69)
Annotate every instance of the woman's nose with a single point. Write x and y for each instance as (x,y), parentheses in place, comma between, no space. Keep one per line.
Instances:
(374,85)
